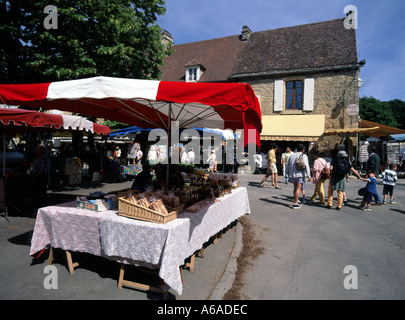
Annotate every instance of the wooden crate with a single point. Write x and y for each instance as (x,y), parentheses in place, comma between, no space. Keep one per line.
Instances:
(134,211)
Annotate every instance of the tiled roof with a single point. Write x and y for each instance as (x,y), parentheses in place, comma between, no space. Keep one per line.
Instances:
(218,57)
(304,47)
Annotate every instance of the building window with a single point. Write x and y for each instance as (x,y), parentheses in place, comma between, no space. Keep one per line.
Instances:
(294,95)
(192,74)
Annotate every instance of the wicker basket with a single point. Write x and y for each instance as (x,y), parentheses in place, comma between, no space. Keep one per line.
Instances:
(134,211)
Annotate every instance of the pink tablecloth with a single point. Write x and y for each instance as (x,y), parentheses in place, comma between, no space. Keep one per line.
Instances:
(69,228)
(130,241)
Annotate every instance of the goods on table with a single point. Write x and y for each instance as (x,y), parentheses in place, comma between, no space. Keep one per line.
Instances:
(97,201)
(156,206)
(143,209)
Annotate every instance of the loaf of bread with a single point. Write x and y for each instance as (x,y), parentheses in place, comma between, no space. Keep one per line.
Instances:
(132,199)
(144,202)
(161,206)
(158,206)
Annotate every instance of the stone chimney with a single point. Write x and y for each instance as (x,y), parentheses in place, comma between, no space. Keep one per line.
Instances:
(245,34)
(166,38)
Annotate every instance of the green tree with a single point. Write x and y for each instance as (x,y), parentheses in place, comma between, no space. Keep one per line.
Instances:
(116,38)
(390,113)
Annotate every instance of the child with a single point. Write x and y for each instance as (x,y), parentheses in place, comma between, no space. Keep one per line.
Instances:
(369,192)
(389,178)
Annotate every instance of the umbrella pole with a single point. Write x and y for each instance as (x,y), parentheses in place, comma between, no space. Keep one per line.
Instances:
(3,187)
(169,142)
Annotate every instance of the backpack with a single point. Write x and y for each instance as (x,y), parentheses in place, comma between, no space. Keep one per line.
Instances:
(342,168)
(325,173)
(299,163)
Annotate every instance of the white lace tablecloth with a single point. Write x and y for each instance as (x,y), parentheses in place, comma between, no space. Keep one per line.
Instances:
(130,241)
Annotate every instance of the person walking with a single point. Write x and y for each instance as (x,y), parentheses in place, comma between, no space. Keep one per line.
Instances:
(272,168)
(320,173)
(298,169)
(389,178)
(284,160)
(40,172)
(339,168)
(369,191)
(373,165)
(212,161)
(138,157)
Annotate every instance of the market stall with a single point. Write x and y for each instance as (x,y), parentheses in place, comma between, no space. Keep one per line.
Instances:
(152,104)
(131,241)
(148,103)
(14,120)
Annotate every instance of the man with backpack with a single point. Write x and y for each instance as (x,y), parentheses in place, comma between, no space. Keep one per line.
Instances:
(297,169)
(339,168)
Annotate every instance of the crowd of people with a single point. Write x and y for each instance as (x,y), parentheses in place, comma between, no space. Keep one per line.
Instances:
(297,170)
(294,166)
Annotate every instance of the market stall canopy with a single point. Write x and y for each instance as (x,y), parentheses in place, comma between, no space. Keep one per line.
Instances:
(398,137)
(146,103)
(129,132)
(381,130)
(351,131)
(12,120)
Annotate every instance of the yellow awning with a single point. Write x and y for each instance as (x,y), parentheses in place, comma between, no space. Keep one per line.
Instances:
(293,127)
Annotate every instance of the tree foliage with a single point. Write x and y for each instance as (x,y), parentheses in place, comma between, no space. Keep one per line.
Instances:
(116,38)
(390,113)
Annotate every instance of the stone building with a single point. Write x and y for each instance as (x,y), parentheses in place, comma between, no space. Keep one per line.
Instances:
(304,76)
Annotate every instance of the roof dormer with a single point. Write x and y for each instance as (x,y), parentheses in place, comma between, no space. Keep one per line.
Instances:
(194,70)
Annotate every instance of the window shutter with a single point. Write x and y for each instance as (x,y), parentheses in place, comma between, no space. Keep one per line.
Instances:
(278,95)
(309,94)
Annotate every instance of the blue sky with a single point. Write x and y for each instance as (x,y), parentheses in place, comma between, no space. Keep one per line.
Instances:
(380,33)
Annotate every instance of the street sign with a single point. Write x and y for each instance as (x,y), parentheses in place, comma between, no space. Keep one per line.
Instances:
(352,109)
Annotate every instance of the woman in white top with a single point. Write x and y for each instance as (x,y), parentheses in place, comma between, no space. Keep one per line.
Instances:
(297,176)
(212,160)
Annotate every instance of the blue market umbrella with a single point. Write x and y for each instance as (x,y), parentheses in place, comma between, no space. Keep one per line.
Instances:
(128,132)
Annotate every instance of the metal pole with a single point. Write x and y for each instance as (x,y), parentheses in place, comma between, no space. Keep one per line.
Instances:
(4,205)
(169,142)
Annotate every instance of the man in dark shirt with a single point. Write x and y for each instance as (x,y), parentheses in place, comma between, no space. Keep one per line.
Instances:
(373,165)
(373,162)
(142,179)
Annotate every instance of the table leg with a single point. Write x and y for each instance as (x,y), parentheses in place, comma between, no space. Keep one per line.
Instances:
(50,258)
(201,253)
(71,265)
(137,285)
(181,274)
(215,239)
(190,264)
(121,276)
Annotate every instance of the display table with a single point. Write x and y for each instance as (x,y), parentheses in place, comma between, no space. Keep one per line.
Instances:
(128,241)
